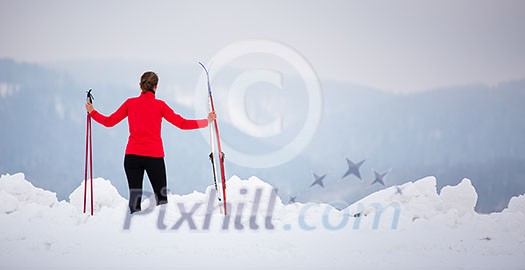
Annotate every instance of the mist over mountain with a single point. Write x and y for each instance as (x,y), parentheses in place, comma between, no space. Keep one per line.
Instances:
(473,131)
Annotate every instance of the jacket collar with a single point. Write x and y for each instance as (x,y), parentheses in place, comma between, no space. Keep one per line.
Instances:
(147,94)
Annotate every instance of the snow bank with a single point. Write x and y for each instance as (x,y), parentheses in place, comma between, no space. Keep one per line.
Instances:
(17,192)
(516,205)
(105,195)
(461,198)
(420,200)
(412,220)
(251,198)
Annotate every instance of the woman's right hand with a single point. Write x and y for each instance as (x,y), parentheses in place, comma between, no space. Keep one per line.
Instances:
(89,106)
(211,116)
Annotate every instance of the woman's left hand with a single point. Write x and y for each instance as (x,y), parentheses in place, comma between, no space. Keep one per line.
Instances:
(211,116)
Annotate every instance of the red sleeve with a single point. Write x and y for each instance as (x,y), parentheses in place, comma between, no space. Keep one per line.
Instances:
(113,119)
(179,121)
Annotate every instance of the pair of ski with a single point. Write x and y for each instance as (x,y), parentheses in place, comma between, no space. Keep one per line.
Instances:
(216,155)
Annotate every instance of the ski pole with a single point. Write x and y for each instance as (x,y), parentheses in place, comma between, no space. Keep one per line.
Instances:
(89,148)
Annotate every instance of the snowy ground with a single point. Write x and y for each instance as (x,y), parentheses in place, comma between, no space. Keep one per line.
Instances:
(409,226)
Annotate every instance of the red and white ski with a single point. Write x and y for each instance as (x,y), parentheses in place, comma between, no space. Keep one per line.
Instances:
(216,152)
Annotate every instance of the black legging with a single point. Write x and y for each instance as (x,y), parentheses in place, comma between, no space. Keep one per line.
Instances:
(135,166)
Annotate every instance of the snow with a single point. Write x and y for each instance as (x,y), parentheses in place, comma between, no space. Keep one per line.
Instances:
(107,195)
(407,226)
(516,205)
(462,197)
(24,192)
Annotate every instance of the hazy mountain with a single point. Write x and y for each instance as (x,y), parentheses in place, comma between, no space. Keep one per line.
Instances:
(472,131)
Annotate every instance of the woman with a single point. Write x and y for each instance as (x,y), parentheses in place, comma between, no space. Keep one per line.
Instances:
(144,151)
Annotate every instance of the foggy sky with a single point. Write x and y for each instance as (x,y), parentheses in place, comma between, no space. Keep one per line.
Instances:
(391,45)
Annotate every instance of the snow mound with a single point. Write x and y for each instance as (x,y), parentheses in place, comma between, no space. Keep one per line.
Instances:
(420,200)
(247,200)
(516,205)
(16,192)
(104,195)
(461,198)
(245,191)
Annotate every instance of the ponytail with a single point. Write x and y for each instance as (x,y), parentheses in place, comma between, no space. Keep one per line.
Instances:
(149,81)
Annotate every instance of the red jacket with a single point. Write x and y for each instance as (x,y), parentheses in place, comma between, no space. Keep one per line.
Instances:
(145,114)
